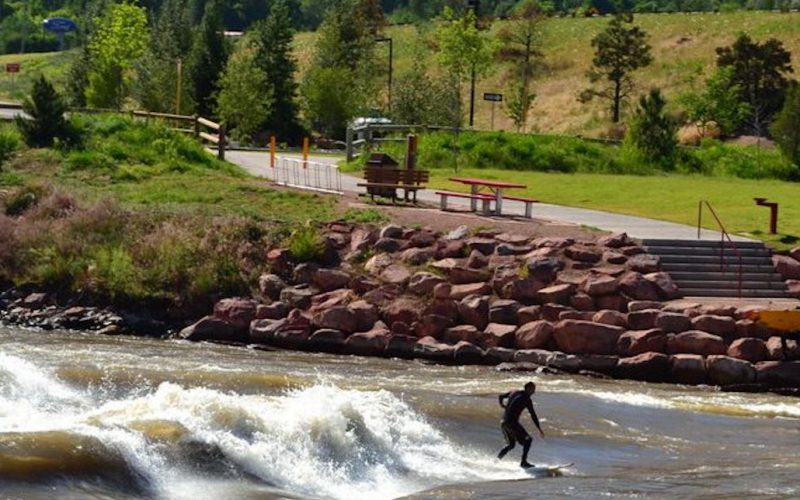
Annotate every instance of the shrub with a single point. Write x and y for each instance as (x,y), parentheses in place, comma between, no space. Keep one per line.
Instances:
(9,144)
(652,132)
(786,127)
(24,198)
(46,121)
(305,244)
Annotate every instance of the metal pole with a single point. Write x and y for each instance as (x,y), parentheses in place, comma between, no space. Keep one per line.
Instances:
(179,90)
(472,99)
(492,115)
(391,58)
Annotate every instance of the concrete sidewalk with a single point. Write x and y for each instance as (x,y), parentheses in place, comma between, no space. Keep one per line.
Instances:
(257,164)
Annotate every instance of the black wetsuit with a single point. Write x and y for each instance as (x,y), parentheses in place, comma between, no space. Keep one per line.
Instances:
(513,431)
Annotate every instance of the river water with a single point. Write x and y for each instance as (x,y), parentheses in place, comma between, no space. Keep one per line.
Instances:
(83,416)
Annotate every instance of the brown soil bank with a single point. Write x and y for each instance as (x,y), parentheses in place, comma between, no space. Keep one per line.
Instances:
(593,307)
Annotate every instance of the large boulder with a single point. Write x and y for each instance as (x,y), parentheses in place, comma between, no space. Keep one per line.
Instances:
(383,295)
(212,328)
(600,284)
(643,320)
(788,267)
(497,355)
(461,275)
(327,340)
(582,302)
(633,343)
(724,370)
(422,239)
(458,292)
(636,286)
(644,263)
(689,369)
(396,274)
(779,373)
(276,310)
(371,343)
(585,337)
(584,253)
(616,240)
(340,297)
(485,246)
(466,353)
(723,326)
(423,283)
(641,305)
(361,239)
(292,332)
(477,260)
(498,335)
(696,342)
(648,366)
(239,312)
(298,297)
(556,294)
(504,311)
(671,322)
(270,285)
(405,309)
(537,356)
(666,286)
(418,256)
(391,231)
(401,346)
(337,318)
(614,302)
(474,310)
(608,317)
(749,349)
(432,325)
(523,290)
(330,279)
(544,269)
(430,348)
(783,350)
(534,335)
(365,314)
(528,313)
(458,333)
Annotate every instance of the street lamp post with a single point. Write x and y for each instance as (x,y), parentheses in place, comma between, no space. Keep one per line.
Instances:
(391,54)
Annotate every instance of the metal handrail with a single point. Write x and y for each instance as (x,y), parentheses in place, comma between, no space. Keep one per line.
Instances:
(725,235)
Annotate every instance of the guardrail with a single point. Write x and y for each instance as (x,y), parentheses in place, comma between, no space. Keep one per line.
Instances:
(725,234)
(182,123)
(305,174)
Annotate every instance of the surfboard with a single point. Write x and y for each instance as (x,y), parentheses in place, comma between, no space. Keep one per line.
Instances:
(548,470)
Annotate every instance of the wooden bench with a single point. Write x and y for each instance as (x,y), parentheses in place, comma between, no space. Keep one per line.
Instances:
(528,204)
(386,182)
(485,199)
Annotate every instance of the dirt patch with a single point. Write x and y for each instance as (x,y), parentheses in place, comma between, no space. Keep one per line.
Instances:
(430,216)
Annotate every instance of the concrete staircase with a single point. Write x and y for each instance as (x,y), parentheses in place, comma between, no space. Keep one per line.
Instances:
(694,265)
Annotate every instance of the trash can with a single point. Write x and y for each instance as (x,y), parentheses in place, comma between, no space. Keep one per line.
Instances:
(379,161)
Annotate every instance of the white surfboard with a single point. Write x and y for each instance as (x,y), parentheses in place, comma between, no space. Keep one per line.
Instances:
(548,470)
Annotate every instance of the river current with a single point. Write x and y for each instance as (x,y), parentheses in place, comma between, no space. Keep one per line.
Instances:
(83,416)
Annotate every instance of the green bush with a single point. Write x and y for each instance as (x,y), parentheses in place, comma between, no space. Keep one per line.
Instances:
(305,244)
(24,199)
(9,144)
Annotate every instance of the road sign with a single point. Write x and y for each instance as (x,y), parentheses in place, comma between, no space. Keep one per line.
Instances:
(493,97)
(59,25)
(12,68)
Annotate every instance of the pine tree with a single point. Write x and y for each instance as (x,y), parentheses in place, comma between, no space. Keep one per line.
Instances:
(273,41)
(652,132)
(207,58)
(46,121)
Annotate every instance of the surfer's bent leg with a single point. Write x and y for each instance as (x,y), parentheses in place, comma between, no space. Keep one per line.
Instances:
(526,447)
(510,439)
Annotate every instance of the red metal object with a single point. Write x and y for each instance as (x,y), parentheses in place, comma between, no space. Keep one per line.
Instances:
(488,183)
(725,235)
(773,213)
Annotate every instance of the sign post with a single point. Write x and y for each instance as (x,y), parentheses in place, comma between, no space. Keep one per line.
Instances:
(60,26)
(272,148)
(493,98)
(13,68)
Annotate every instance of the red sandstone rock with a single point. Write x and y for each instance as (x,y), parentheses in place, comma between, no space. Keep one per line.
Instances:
(451,250)
(614,257)
(276,310)
(585,337)
(719,310)
(362,239)
(431,325)
(443,307)
(643,320)
(648,366)
(544,269)
(401,346)
(786,266)
(464,275)
(795,253)
(634,342)
(528,314)
(534,335)
(466,353)
(537,356)
(330,279)
(667,288)
(498,335)
(696,342)
(336,318)
(551,312)
(718,325)
(423,283)
(578,315)
(340,297)
(422,239)
(689,369)
(279,261)
(525,289)
(458,292)
(778,353)
(477,260)
(270,285)
(383,295)
(552,242)
(430,348)
(635,286)
(418,256)
(582,302)
(616,240)
(298,296)
(558,294)
(673,322)
(583,253)
(644,263)
(396,274)
(405,309)
(600,284)
(793,288)
(327,340)
(371,343)
(442,290)
(504,311)
(212,328)
(609,317)
(458,333)
(237,311)
(474,311)
(613,302)
(641,305)
(632,250)
(724,370)
(749,349)
(485,246)
(365,314)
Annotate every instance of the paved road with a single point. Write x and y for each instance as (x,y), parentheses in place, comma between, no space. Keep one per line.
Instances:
(638,227)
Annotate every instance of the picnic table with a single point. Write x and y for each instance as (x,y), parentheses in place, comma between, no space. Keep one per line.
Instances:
(486,190)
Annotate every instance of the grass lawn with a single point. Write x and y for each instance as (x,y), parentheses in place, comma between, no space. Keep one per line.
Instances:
(53,65)
(671,198)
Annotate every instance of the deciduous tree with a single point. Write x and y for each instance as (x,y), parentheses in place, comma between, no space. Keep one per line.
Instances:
(245,99)
(717,102)
(786,127)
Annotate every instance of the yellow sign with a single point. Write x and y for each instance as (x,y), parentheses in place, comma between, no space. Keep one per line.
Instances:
(785,321)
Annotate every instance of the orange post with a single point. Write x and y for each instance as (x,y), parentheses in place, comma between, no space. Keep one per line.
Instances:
(305,151)
(272,148)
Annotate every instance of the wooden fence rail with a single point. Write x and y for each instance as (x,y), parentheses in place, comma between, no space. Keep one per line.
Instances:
(194,125)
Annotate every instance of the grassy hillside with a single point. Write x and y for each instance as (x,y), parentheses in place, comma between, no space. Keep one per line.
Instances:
(53,65)
(683,49)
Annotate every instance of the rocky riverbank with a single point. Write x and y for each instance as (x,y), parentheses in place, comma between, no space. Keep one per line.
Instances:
(594,307)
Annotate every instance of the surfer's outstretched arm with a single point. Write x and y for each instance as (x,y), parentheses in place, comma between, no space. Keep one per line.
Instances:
(535,419)
(501,397)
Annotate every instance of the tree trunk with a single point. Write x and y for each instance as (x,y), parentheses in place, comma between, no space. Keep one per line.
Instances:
(615,104)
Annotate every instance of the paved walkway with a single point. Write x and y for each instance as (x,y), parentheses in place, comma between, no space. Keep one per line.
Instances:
(257,163)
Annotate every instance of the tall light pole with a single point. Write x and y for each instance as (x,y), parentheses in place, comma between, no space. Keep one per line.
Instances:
(380,39)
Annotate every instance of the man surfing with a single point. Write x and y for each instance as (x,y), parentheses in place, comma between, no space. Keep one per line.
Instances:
(512,429)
